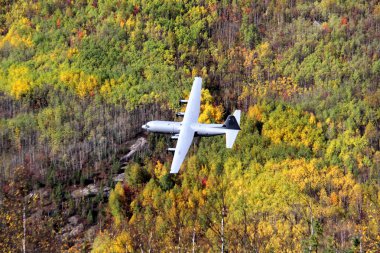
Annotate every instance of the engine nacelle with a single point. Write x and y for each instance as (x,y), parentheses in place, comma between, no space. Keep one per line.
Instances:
(174,137)
(171,150)
(183,101)
(180,114)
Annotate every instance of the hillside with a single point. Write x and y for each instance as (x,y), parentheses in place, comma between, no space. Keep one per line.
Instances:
(78,78)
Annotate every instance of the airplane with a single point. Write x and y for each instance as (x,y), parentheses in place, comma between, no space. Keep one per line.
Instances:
(185,131)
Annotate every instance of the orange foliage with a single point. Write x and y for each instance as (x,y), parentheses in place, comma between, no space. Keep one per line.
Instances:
(80,34)
(344,21)
(326,28)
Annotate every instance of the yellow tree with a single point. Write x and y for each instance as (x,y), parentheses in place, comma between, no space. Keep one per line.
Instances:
(209,112)
(20,80)
(115,203)
(83,84)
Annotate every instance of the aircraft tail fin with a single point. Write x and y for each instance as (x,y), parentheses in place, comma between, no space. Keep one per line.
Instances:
(232,125)
(237,116)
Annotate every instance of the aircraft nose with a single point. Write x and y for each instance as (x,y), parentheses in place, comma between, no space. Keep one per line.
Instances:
(144,127)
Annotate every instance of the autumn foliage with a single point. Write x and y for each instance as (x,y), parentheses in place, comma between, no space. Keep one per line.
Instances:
(79,78)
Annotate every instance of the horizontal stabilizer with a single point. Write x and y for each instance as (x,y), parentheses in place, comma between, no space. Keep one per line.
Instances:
(231,137)
(171,149)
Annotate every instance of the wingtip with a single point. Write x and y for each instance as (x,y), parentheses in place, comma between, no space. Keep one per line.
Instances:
(198,81)
(174,169)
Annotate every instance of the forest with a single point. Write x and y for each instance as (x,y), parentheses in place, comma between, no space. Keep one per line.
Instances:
(78,78)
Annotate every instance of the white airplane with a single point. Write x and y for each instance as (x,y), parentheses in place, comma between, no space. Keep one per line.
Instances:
(185,131)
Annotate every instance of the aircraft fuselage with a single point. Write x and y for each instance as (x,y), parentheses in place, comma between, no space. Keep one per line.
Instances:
(171,127)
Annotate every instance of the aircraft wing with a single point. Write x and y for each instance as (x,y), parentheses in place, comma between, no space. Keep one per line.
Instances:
(184,142)
(186,133)
(194,103)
